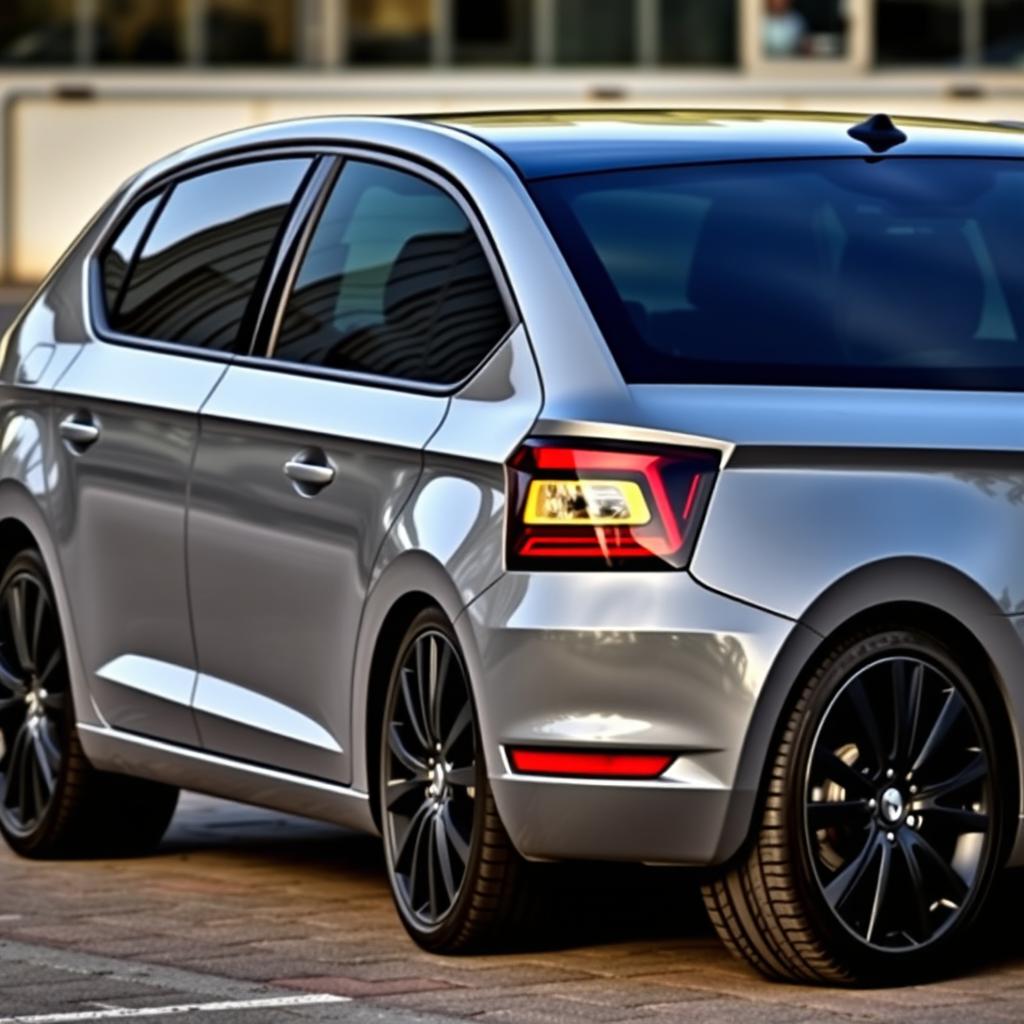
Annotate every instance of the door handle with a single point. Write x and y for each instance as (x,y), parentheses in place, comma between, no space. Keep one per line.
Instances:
(80,431)
(309,471)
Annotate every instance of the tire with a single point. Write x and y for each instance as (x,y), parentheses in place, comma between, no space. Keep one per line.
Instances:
(53,803)
(883,826)
(458,883)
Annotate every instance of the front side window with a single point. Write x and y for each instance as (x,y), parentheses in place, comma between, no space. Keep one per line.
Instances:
(902,272)
(394,283)
(200,263)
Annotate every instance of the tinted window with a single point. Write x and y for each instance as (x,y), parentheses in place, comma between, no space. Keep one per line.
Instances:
(120,252)
(898,272)
(201,261)
(394,283)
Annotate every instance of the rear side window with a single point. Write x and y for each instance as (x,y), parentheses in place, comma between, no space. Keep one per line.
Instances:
(903,272)
(394,283)
(201,260)
(121,251)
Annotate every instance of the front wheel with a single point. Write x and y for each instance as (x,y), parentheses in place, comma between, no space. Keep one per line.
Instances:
(53,803)
(882,827)
(458,884)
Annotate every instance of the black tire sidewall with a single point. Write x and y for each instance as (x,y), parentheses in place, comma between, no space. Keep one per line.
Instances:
(446,931)
(867,963)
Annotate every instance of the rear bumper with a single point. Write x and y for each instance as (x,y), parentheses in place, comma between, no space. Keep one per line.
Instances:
(636,661)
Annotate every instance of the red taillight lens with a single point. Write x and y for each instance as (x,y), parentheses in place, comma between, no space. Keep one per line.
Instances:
(599,507)
(588,764)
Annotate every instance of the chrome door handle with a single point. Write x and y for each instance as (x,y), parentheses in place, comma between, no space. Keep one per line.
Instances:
(79,431)
(309,471)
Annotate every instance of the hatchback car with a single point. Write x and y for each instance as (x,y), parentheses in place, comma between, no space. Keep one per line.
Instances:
(638,486)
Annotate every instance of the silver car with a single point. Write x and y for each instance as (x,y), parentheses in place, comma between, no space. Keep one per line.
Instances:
(638,486)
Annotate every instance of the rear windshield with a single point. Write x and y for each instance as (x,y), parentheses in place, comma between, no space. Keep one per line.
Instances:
(898,272)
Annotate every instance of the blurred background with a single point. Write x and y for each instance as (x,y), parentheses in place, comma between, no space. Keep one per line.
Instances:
(94,89)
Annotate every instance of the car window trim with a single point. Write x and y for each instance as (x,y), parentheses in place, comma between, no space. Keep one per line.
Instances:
(97,313)
(433,176)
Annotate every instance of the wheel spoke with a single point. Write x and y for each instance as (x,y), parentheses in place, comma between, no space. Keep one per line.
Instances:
(462,777)
(826,813)
(462,722)
(836,769)
(48,669)
(440,662)
(444,859)
(54,701)
(852,874)
(15,600)
(412,833)
(37,623)
(906,692)
(11,683)
(45,768)
(868,721)
(455,838)
(956,887)
(411,685)
(14,765)
(423,694)
(430,856)
(916,895)
(399,791)
(881,888)
(960,820)
(974,771)
(404,755)
(948,717)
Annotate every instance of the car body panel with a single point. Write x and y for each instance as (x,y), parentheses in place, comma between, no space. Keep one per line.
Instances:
(278,577)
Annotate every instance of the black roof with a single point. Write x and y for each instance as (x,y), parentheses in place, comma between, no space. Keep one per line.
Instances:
(550,143)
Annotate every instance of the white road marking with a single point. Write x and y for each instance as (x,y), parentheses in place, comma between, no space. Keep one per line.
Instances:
(125,1013)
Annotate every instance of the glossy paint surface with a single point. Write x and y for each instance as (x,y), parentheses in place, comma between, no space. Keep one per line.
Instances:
(227,619)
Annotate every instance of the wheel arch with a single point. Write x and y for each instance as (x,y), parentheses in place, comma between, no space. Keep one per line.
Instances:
(899,591)
(413,581)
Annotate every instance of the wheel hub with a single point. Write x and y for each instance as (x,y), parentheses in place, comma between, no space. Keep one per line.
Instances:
(438,788)
(892,806)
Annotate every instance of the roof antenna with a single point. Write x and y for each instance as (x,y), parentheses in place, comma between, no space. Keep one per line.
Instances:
(878,133)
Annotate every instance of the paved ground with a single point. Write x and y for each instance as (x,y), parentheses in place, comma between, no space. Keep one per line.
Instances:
(240,906)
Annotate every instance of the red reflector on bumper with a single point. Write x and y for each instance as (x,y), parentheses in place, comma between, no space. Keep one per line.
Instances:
(598,766)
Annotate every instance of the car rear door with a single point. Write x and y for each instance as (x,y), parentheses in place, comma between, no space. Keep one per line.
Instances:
(307,456)
(172,290)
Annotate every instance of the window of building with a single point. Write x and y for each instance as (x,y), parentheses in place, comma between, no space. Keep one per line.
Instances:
(120,252)
(1004,32)
(198,268)
(37,31)
(496,32)
(390,31)
(595,32)
(698,32)
(394,284)
(251,31)
(140,31)
(919,31)
(804,29)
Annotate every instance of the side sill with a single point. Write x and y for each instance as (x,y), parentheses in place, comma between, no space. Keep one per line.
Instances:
(112,750)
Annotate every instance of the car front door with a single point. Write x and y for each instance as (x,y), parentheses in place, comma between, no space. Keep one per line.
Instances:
(307,456)
(172,290)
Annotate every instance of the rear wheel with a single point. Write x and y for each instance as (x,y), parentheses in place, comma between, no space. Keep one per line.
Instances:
(52,801)
(883,824)
(457,882)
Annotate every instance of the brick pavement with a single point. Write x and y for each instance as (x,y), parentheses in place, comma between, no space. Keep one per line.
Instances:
(257,897)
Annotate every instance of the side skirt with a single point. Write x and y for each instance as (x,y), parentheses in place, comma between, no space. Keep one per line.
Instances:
(116,751)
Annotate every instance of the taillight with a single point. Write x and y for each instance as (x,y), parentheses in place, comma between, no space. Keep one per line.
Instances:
(593,506)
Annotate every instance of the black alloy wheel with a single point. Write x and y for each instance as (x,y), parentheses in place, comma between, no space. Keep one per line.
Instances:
(33,700)
(53,802)
(457,882)
(884,823)
(898,803)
